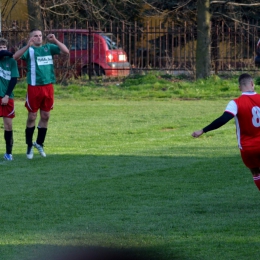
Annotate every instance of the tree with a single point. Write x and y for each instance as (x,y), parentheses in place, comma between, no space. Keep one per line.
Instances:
(211,11)
(203,59)
(203,13)
(68,12)
(35,16)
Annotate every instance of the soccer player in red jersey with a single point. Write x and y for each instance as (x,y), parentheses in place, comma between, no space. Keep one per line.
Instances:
(246,111)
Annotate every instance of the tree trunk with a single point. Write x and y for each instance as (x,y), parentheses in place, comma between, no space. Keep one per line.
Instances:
(203,40)
(35,17)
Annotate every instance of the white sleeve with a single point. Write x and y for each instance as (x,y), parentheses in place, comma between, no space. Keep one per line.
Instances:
(231,107)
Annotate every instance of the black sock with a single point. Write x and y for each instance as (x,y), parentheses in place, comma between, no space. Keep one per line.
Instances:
(29,135)
(41,135)
(9,141)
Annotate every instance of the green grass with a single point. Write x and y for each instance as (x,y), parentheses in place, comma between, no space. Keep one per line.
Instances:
(153,87)
(126,173)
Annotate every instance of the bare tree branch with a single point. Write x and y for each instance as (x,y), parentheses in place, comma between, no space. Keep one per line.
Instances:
(234,3)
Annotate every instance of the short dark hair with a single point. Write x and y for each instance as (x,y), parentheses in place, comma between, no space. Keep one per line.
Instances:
(244,79)
(35,29)
(3,41)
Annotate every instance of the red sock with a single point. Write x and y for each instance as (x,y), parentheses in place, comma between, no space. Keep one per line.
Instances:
(257,181)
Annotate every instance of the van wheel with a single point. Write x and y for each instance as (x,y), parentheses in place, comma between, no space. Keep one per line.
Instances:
(97,71)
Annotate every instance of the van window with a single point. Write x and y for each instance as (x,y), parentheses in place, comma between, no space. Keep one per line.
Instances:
(76,41)
(110,40)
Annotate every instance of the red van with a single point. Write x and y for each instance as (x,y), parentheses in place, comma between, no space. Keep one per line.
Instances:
(93,52)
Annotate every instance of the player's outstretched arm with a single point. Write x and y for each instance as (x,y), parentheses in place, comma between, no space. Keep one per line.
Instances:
(215,124)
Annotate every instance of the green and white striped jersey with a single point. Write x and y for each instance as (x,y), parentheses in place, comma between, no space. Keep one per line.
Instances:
(40,67)
(8,70)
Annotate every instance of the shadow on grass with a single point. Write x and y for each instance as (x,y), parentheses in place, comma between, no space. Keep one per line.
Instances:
(165,201)
(40,252)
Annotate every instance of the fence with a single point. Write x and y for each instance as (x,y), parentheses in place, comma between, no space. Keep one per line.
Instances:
(168,46)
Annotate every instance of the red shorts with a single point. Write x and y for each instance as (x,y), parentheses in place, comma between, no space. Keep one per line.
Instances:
(251,158)
(7,110)
(39,97)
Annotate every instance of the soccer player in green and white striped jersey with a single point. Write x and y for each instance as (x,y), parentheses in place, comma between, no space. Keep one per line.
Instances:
(40,79)
(8,78)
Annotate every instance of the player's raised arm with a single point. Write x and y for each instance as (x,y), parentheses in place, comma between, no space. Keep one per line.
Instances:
(51,38)
(20,52)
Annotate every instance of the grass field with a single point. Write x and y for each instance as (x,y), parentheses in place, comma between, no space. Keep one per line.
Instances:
(127,174)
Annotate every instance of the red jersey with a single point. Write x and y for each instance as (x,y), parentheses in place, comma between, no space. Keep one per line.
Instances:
(246,110)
